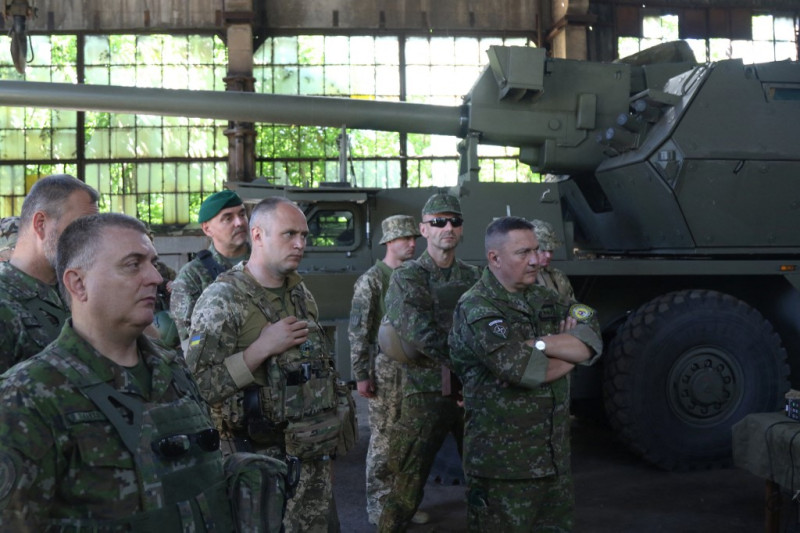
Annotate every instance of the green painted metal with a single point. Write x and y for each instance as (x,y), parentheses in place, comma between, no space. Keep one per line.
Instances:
(665,177)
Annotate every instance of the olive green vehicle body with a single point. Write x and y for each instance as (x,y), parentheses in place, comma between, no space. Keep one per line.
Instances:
(674,186)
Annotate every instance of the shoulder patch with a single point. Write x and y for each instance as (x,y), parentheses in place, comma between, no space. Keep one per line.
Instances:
(581,312)
(8,474)
(499,328)
(194,341)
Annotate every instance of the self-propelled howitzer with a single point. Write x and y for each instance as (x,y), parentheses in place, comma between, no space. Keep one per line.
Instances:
(673,185)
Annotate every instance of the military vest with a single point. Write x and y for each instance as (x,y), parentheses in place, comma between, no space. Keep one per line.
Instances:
(183,492)
(425,374)
(296,390)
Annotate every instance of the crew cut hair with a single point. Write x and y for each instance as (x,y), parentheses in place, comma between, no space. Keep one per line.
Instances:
(500,227)
(49,194)
(79,244)
(266,207)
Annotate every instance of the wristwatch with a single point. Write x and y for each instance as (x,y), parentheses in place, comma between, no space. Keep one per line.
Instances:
(540,345)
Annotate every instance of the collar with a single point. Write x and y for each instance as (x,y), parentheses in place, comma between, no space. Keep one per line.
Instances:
(104,369)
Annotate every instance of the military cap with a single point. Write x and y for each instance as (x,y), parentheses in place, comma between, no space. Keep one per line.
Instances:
(546,235)
(9,229)
(442,203)
(398,226)
(215,203)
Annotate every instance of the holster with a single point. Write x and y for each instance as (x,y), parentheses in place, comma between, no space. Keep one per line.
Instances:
(260,428)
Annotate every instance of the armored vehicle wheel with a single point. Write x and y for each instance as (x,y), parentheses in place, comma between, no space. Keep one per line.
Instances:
(683,369)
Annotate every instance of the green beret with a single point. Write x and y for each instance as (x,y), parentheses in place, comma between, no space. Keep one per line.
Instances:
(216,203)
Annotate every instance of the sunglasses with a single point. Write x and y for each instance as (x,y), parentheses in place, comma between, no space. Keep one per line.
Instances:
(440,222)
(176,446)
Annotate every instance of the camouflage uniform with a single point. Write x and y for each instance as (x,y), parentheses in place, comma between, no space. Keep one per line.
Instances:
(549,276)
(190,283)
(31,312)
(516,438)
(65,466)
(9,229)
(228,317)
(556,280)
(419,304)
(368,362)
(168,274)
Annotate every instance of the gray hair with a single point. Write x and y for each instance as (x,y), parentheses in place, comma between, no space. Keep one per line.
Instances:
(79,244)
(49,194)
(500,227)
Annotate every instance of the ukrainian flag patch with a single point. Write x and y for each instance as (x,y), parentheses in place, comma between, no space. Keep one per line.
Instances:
(194,341)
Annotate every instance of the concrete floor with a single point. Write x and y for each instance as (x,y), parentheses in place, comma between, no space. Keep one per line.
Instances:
(615,492)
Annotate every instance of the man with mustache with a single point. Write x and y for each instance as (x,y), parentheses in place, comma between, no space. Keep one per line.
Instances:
(263,362)
(105,430)
(419,305)
(224,220)
(31,309)
(513,344)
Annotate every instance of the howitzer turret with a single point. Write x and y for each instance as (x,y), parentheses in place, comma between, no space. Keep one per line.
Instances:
(675,192)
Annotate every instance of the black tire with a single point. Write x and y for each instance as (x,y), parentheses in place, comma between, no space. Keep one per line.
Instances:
(683,369)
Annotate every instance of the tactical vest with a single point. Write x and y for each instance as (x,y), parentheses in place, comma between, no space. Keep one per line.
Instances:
(445,295)
(213,268)
(295,392)
(186,493)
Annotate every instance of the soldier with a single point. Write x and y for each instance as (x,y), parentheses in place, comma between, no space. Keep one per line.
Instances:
(9,229)
(379,377)
(549,276)
(104,430)
(262,361)
(167,274)
(224,220)
(512,344)
(31,310)
(419,306)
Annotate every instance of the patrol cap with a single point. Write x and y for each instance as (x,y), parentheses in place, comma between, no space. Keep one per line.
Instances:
(397,226)
(546,235)
(215,203)
(9,229)
(442,203)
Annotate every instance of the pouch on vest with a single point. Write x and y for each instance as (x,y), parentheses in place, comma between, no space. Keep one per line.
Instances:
(258,488)
(309,388)
(346,412)
(314,437)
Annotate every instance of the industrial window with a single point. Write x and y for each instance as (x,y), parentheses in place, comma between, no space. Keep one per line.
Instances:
(769,37)
(160,168)
(316,65)
(36,142)
(436,70)
(156,168)
(441,70)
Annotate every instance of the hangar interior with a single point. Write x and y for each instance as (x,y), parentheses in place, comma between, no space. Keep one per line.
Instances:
(159,168)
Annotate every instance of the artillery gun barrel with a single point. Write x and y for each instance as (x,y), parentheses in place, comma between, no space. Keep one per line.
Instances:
(248,107)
